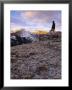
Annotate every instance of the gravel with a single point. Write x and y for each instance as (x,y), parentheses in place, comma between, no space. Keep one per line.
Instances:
(37,60)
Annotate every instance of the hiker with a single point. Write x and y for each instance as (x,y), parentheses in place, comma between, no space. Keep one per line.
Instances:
(53,26)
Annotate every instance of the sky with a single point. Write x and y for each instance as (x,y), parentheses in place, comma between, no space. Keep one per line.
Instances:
(34,20)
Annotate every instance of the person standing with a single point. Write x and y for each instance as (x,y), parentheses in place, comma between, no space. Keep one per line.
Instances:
(53,26)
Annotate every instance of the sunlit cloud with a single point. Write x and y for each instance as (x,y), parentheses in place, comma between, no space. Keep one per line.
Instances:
(29,14)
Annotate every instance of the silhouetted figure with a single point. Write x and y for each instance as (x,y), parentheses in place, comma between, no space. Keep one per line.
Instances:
(53,26)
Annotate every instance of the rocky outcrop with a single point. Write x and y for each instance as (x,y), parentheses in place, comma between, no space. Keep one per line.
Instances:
(20,37)
(54,34)
(19,40)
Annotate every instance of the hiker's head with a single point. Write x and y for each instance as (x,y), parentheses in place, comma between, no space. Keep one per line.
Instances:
(53,21)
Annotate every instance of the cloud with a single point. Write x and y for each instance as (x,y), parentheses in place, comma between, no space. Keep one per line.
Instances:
(28,14)
(34,17)
(15,27)
(41,16)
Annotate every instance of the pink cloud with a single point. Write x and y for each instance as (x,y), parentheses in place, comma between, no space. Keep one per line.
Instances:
(29,14)
(34,17)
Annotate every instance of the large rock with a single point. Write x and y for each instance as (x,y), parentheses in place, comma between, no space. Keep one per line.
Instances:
(19,40)
(55,34)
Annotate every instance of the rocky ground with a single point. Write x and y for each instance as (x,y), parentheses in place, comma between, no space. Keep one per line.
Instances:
(37,60)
